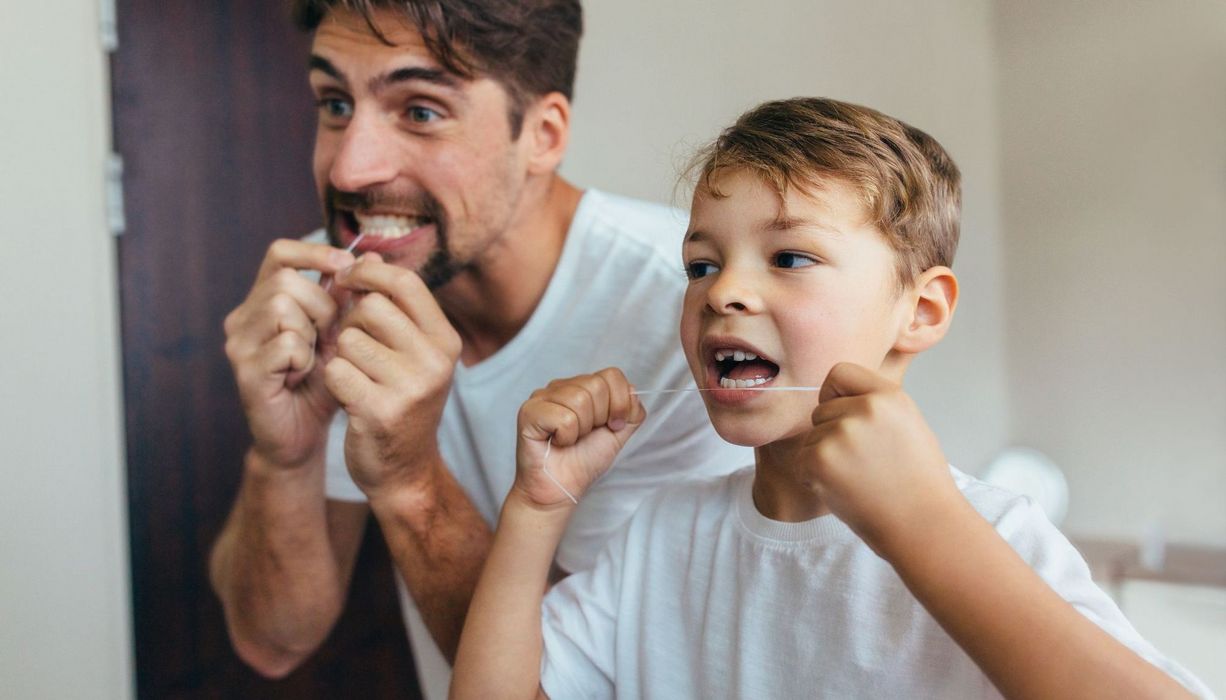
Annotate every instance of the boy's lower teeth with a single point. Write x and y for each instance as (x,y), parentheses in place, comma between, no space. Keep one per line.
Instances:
(729,383)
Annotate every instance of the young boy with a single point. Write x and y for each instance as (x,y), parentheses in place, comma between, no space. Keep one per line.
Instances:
(851,561)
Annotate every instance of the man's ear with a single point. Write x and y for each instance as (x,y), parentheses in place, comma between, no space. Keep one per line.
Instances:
(547,130)
(931,301)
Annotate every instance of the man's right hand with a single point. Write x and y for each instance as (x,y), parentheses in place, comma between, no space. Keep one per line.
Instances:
(271,344)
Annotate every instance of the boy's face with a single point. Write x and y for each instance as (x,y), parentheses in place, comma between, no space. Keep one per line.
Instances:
(801,293)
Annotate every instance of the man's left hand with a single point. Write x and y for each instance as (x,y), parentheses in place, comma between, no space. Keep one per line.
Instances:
(395,356)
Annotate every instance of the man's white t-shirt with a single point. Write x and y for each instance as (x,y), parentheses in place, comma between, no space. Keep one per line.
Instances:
(614,301)
(701,596)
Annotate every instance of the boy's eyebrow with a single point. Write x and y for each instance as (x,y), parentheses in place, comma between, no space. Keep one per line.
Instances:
(785,223)
(434,76)
(695,236)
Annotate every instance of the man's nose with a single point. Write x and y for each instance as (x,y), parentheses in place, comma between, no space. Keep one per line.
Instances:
(365,156)
(734,292)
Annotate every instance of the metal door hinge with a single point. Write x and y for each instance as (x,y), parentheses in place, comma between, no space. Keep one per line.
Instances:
(108,26)
(115,218)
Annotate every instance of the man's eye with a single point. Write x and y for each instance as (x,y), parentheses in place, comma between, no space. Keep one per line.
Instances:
(422,115)
(335,108)
(793,260)
(699,269)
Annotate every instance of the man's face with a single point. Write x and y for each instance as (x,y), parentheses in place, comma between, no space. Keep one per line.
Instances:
(777,301)
(415,158)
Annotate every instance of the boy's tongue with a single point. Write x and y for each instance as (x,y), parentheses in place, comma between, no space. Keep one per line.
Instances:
(752,369)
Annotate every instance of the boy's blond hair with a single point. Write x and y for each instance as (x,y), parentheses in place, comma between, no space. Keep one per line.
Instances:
(909,185)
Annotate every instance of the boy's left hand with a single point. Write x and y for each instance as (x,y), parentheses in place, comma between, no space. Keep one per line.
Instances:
(872,459)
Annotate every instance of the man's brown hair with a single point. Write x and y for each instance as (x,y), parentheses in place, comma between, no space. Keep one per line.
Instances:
(529,46)
(908,184)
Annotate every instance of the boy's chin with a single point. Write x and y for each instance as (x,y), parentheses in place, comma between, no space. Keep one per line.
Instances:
(752,433)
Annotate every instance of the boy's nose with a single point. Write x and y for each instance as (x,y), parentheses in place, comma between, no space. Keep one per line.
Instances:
(732,294)
(364,158)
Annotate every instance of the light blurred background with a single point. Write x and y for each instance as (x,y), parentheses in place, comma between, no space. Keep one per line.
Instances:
(1092,141)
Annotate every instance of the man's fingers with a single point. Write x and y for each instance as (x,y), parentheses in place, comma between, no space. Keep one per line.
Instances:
(385,322)
(370,357)
(404,287)
(299,255)
(347,384)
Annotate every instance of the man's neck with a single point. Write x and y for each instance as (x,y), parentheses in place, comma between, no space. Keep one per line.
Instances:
(491,302)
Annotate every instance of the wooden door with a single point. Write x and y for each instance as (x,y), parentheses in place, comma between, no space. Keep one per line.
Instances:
(214,121)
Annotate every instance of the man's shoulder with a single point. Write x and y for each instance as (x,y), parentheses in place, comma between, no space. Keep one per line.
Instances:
(624,221)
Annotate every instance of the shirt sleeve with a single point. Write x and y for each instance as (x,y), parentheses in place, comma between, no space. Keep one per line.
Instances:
(338,485)
(1024,525)
(579,625)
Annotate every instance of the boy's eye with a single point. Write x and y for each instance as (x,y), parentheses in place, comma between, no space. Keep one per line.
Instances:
(421,115)
(699,269)
(793,260)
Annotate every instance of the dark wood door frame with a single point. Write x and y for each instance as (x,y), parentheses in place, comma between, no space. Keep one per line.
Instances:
(214,121)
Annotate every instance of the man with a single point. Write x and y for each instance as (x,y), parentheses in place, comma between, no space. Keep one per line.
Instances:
(480,275)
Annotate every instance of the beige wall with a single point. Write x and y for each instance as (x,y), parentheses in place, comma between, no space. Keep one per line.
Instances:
(64,617)
(657,79)
(1114,126)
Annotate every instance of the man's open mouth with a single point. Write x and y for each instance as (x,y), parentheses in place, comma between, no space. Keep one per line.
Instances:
(739,368)
(385,226)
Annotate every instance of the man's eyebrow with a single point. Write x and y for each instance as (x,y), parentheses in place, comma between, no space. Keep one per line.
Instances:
(434,76)
(320,63)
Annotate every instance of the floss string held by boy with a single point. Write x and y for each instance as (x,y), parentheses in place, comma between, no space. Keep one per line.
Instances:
(649,392)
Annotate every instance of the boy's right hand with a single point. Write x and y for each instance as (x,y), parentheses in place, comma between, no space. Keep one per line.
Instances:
(271,345)
(589,418)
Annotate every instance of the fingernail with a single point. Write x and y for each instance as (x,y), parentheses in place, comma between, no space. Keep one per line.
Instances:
(340,258)
(617,424)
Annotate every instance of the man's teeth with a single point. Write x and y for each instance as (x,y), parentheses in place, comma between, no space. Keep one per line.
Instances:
(727,383)
(388,226)
(738,355)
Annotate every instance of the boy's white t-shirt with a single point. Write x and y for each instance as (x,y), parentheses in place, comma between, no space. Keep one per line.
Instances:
(701,596)
(614,301)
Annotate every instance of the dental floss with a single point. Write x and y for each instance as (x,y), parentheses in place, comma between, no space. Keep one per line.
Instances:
(327,285)
(650,392)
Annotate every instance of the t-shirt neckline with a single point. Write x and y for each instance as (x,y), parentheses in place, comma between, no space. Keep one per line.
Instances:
(823,529)
(508,356)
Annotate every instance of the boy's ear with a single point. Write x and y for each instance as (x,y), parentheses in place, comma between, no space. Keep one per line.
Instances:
(932,300)
(547,132)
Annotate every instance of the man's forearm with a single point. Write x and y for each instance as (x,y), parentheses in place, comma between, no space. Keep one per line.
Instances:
(274,567)
(439,542)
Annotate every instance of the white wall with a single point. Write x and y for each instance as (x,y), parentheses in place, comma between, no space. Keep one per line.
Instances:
(1114,126)
(658,79)
(64,612)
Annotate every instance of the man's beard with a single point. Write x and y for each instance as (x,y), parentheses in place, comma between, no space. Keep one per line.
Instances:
(440,265)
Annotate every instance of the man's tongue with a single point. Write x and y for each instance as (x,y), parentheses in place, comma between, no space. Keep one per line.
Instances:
(752,369)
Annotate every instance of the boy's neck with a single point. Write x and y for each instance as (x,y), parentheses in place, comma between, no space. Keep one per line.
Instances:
(777,493)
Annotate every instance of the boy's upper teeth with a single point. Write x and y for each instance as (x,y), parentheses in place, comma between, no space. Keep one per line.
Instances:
(737,355)
(386,225)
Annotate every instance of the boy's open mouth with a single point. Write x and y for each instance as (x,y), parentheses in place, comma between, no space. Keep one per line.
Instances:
(743,369)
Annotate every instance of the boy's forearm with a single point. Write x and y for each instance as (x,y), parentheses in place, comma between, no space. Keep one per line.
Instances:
(274,569)
(500,651)
(1027,639)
